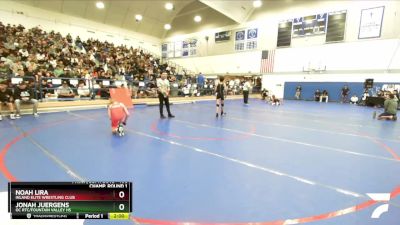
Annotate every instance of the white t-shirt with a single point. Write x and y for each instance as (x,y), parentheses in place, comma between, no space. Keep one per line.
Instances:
(246,86)
(163,86)
(24,53)
(40,56)
(83,91)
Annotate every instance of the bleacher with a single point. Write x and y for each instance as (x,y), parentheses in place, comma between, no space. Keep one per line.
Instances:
(46,59)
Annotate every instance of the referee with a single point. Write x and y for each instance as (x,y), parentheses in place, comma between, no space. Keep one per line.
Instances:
(163,94)
(246,90)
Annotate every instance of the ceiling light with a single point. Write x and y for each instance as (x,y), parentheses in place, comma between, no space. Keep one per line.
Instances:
(257,3)
(167,26)
(197,19)
(100,5)
(169,6)
(138,17)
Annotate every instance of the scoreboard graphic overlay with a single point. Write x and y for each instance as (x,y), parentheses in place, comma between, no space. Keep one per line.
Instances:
(70,200)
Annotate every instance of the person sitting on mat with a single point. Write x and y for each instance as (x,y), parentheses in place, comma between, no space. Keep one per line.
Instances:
(118,114)
(264,94)
(275,101)
(390,105)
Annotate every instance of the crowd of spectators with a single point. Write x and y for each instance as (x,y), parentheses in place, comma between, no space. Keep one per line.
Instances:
(41,57)
(50,65)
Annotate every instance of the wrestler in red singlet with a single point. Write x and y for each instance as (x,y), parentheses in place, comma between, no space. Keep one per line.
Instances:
(117,113)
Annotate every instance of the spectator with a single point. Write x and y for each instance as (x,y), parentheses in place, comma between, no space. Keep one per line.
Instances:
(4,69)
(380,93)
(193,90)
(23,53)
(264,94)
(390,112)
(20,73)
(17,66)
(64,91)
(83,91)
(317,95)
(104,91)
(297,95)
(151,90)
(200,82)
(324,96)
(29,72)
(396,95)
(51,52)
(354,99)
(46,85)
(6,98)
(174,87)
(364,97)
(23,93)
(58,72)
(135,87)
(275,101)
(345,93)
(186,91)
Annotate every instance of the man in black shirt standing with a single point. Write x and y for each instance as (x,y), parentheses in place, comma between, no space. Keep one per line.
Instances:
(6,98)
(25,94)
(345,93)
(163,94)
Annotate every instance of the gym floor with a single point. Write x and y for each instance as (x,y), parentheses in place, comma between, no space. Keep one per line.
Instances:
(298,163)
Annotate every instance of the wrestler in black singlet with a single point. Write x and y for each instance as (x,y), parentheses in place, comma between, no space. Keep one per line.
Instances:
(220,91)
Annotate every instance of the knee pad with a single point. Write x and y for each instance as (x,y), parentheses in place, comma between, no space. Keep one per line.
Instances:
(222,104)
(217,105)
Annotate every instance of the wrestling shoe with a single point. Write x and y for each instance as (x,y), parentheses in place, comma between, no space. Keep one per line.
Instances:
(120,130)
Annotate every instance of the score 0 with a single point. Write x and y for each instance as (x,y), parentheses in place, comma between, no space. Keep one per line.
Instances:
(121,195)
(124,196)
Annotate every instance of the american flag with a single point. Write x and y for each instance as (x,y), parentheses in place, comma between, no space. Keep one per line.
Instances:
(267,61)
